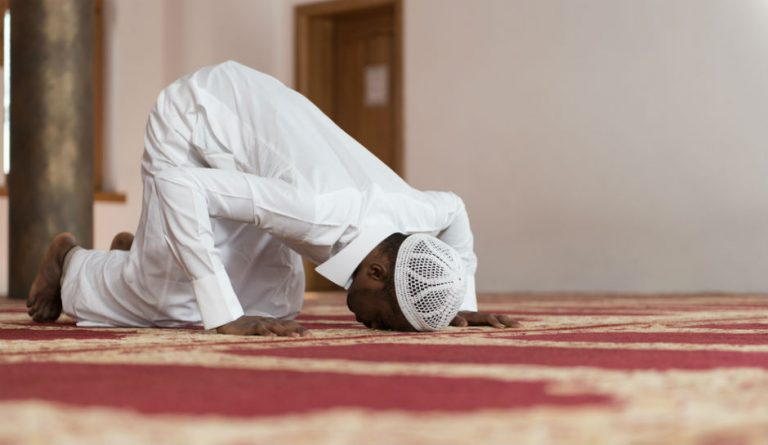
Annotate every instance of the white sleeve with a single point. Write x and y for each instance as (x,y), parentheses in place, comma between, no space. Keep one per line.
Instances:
(457,234)
(190,197)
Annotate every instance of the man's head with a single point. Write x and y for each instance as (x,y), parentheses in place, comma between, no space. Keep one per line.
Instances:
(408,283)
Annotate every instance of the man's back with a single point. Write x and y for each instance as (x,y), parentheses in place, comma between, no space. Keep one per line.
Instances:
(231,117)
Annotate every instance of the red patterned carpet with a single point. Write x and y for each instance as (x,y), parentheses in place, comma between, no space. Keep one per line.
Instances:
(582,370)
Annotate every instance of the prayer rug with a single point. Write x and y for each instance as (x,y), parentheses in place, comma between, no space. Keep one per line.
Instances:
(582,369)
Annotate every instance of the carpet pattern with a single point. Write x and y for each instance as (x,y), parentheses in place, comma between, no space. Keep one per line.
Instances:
(583,369)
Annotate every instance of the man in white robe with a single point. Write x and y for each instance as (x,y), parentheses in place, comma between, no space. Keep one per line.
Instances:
(242,177)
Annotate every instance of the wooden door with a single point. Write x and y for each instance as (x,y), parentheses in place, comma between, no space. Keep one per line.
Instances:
(348,62)
(363,52)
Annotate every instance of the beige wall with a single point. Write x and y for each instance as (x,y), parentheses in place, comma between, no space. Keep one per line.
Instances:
(599,145)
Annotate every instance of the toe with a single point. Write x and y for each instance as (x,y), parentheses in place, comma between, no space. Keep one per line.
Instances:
(45,312)
(51,310)
(32,308)
(43,315)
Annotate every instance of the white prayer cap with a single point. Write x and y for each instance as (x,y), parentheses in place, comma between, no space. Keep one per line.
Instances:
(429,282)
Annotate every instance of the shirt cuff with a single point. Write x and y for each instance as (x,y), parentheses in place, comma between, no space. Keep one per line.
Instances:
(470,298)
(217,300)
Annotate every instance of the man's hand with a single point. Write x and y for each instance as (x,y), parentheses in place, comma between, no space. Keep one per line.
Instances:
(266,326)
(469,318)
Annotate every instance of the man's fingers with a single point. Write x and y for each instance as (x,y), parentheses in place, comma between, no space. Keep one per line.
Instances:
(294,329)
(300,331)
(281,328)
(264,326)
(459,321)
(261,329)
(508,321)
(486,319)
(277,328)
(477,318)
(285,328)
(493,321)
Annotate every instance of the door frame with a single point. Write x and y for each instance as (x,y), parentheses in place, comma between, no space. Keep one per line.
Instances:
(313,57)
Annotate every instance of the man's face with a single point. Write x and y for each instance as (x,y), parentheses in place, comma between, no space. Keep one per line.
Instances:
(373,309)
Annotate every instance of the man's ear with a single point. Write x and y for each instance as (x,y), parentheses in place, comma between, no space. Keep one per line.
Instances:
(377,272)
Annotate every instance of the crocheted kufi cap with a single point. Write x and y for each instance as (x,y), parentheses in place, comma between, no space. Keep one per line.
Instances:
(429,282)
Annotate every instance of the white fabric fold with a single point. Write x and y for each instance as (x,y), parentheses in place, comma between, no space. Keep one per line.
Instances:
(340,267)
(217,300)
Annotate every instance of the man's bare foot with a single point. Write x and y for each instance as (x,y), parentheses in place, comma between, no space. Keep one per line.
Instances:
(44,300)
(122,241)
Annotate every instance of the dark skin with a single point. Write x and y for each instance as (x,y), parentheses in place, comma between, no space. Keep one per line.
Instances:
(372,307)
(264,326)
(44,299)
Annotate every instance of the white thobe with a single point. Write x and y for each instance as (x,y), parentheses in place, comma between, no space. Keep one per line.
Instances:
(242,176)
